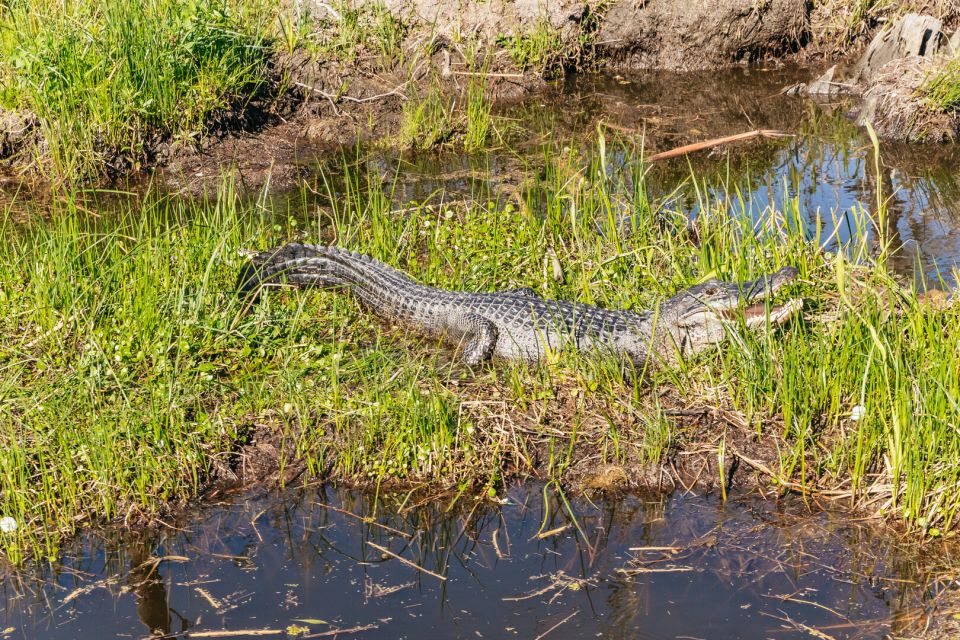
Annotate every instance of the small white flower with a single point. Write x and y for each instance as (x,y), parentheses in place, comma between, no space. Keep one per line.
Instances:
(8,524)
(857,413)
(287,407)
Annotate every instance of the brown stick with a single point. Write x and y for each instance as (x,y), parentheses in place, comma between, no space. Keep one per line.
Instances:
(336,632)
(365,520)
(544,634)
(235,634)
(405,561)
(716,142)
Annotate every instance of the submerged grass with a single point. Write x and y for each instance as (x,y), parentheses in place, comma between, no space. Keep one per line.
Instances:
(130,373)
(436,119)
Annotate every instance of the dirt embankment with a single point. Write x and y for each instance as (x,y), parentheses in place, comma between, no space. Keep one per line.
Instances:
(339,91)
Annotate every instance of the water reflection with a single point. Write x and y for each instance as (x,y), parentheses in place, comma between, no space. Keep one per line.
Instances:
(828,168)
(399,566)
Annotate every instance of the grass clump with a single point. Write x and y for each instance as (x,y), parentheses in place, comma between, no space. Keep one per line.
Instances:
(943,89)
(107,78)
(436,120)
(428,122)
(540,49)
(351,33)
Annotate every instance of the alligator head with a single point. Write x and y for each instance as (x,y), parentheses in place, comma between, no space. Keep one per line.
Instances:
(703,316)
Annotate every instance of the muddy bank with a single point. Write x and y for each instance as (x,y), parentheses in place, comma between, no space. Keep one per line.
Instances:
(350,78)
(18,132)
(897,108)
(671,34)
(332,90)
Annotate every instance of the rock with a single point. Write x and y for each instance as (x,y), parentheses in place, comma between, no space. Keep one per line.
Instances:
(953,47)
(827,85)
(911,35)
(896,108)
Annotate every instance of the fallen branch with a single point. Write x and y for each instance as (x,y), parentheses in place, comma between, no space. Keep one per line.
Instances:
(483,74)
(336,632)
(334,97)
(235,634)
(716,142)
(405,561)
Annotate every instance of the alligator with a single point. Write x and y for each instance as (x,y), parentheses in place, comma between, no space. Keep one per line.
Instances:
(519,324)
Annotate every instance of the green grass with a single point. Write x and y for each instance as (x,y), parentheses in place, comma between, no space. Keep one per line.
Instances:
(943,89)
(428,121)
(130,373)
(540,49)
(436,119)
(107,78)
(350,33)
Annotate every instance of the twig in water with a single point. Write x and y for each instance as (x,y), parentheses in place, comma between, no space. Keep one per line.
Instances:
(405,561)
(715,142)
(336,632)
(235,634)
(544,634)
(369,521)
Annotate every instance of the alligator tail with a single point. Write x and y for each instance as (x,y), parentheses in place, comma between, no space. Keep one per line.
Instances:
(271,266)
(306,265)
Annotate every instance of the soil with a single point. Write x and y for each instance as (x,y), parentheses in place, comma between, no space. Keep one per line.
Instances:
(272,140)
(682,35)
(17,132)
(521,442)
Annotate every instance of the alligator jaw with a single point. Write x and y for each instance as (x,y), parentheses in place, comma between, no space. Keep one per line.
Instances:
(767,286)
(755,292)
(757,315)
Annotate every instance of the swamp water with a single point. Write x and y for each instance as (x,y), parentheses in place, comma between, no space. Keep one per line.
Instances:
(679,566)
(827,165)
(326,562)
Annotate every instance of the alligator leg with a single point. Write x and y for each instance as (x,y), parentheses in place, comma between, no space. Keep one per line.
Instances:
(479,336)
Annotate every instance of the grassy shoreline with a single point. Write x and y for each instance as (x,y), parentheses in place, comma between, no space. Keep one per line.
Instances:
(131,377)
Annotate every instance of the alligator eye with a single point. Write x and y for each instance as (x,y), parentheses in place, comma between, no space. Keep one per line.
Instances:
(711,291)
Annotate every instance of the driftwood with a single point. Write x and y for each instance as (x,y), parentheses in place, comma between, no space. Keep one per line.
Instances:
(716,142)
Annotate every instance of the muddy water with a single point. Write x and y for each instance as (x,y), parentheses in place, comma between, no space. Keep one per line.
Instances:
(325,559)
(828,165)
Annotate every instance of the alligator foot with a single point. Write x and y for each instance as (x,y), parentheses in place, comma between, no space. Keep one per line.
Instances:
(479,334)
